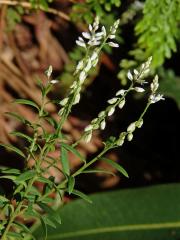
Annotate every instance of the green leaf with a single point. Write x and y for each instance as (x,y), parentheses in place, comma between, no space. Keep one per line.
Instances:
(22,135)
(10,171)
(10,177)
(115,165)
(27,102)
(17,117)
(15,235)
(71,183)
(132,214)
(73,150)
(64,160)
(82,195)
(98,171)
(26,176)
(14,149)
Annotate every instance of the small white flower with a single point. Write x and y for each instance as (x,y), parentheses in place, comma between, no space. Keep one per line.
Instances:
(122,103)
(139,89)
(88,128)
(139,123)
(112,44)
(101,114)
(54,81)
(88,137)
(86,35)
(88,66)
(61,111)
(80,65)
(120,92)
(112,100)
(120,142)
(111,111)
(112,36)
(82,76)
(136,72)
(130,137)
(155,84)
(94,56)
(63,102)
(90,28)
(94,42)
(103,125)
(131,127)
(81,44)
(77,99)
(156,98)
(130,76)
(49,71)
(104,31)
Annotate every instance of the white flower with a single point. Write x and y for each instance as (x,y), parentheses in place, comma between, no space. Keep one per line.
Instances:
(139,123)
(112,36)
(155,84)
(86,35)
(139,89)
(88,128)
(121,104)
(120,92)
(112,44)
(82,76)
(101,114)
(90,28)
(130,76)
(136,72)
(61,111)
(88,137)
(112,100)
(120,142)
(49,71)
(63,102)
(88,66)
(156,98)
(103,125)
(104,31)
(77,99)
(54,81)
(73,85)
(81,44)
(94,56)
(80,65)
(131,127)
(129,137)
(111,111)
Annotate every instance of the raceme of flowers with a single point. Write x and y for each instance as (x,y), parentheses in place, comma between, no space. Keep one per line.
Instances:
(92,41)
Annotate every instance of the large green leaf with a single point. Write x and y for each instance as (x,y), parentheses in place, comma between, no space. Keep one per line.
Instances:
(151,213)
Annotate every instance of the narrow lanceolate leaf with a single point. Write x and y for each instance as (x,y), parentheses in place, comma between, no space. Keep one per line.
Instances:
(98,171)
(65,161)
(73,150)
(27,102)
(22,135)
(10,171)
(17,117)
(82,195)
(71,183)
(26,176)
(150,213)
(115,165)
(12,148)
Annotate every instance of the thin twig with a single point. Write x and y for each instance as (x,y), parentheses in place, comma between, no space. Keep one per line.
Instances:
(28,5)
